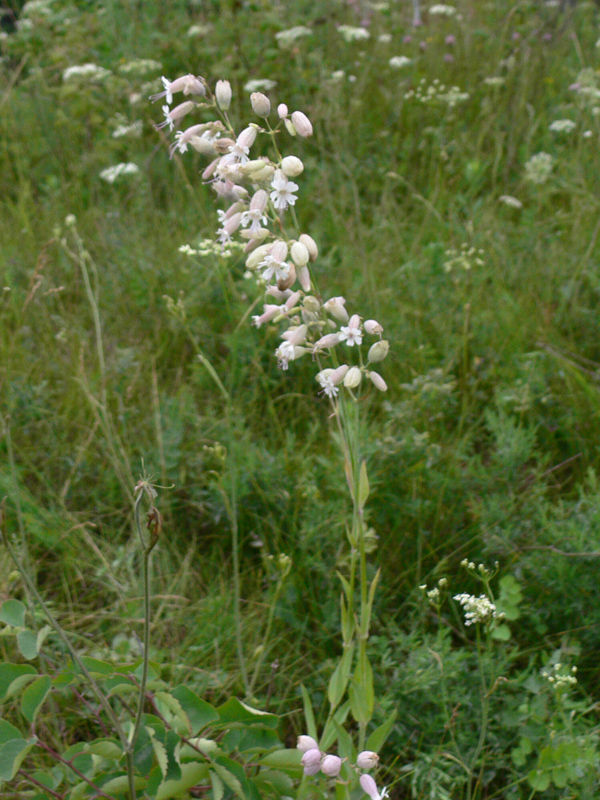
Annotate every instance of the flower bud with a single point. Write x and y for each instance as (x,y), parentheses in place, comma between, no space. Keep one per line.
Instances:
(290,127)
(311,304)
(299,254)
(296,336)
(335,307)
(302,124)
(306,743)
(351,381)
(377,381)
(369,787)
(259,201)
(373,327)
(282,110)
(379,351)
(223,94)
(327,341)
(247,137)
(223,144)
(311,761)
(261,105)
(304,278)
(279,250)
(258,255)
(250,167)
(331,765)
(264,174)
(292,166)
(310,244)
(289,304)
(338,374)
(367,760)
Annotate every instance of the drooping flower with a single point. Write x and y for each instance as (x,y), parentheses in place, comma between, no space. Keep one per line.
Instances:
(369,787)
(188,84)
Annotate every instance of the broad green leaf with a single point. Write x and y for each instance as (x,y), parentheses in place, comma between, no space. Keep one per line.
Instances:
(340,677)
(361,693)
(218,786)
(41,636)
(122,690)
(229,779)
(19,684)
(27,641)
(251,738)
(363,485)
(277,783)
(95,665)
(120,784)
(283,759)
(160,751)
(12,754)
(33,697)
(346,747)
(539,781)
(191,774)
(330,731)
(10,672)
(13,613)
(171,709)
(234,711)
(106,748)
(501,633)
(379,736)
(309,717)
(8,732)
(199,712)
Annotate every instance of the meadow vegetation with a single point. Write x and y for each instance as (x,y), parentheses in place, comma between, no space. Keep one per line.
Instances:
(451,181)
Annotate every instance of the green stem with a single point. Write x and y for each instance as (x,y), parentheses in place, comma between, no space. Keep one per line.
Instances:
(262,656)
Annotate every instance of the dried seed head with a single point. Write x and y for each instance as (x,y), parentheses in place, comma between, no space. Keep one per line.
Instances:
(223,94)
(261,105)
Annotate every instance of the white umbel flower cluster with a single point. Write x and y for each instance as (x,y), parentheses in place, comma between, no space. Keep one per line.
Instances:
(477,609)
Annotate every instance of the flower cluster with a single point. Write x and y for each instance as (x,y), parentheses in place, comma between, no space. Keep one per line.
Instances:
(539,168)
(314,761)
(437,92)
(560,677)
(562,126)
(465,258)
(477,609)
(259,195)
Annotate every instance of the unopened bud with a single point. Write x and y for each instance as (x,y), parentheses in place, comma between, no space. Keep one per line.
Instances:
(247,137)
(369,787)
(351,381)
(292,166)
(304,278)
(300,254)
(261,105)
(379,351)
(296,335)
(290,127)
(302,124)
(279,250)
(259,201)
(335,307)
(310,244)
(311,761)
(331,766)
(264,174)
(282,110)
(311,304)
(327,341)
(258,255)
(223,94)
(377,381)
(367,760)
(373,327)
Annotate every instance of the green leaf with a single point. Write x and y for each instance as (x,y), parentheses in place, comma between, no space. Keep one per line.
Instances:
(171,709)
(363,485)
(27,641)
(330,730)
(160,751)
(274,783)
(234,711)
(96,666)
(9,673)
(191,774)
(501,633)
(379,736)
(283,759)
(105,748)
(340,677)
(362,695)
(199,712)
(229,779)
(19,684)
(13,613)
(539,781)
(34,696)
(12,754)
(309,716)
(42,635)
(120,784)
(8,732)
(218,786)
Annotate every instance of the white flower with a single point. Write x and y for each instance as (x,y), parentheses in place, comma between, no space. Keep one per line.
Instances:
(288,37)
(494,80)
(442,10)
(327,385)
(90,72)
(260,85)
(562,126)
(399,61)
(351,333)
(283,191)
(134,130)
(511,201)
(111,174)
(351,34)
(384,38)
(139,67)
(477,609)
(188,84)
(369,787)
(539,168)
